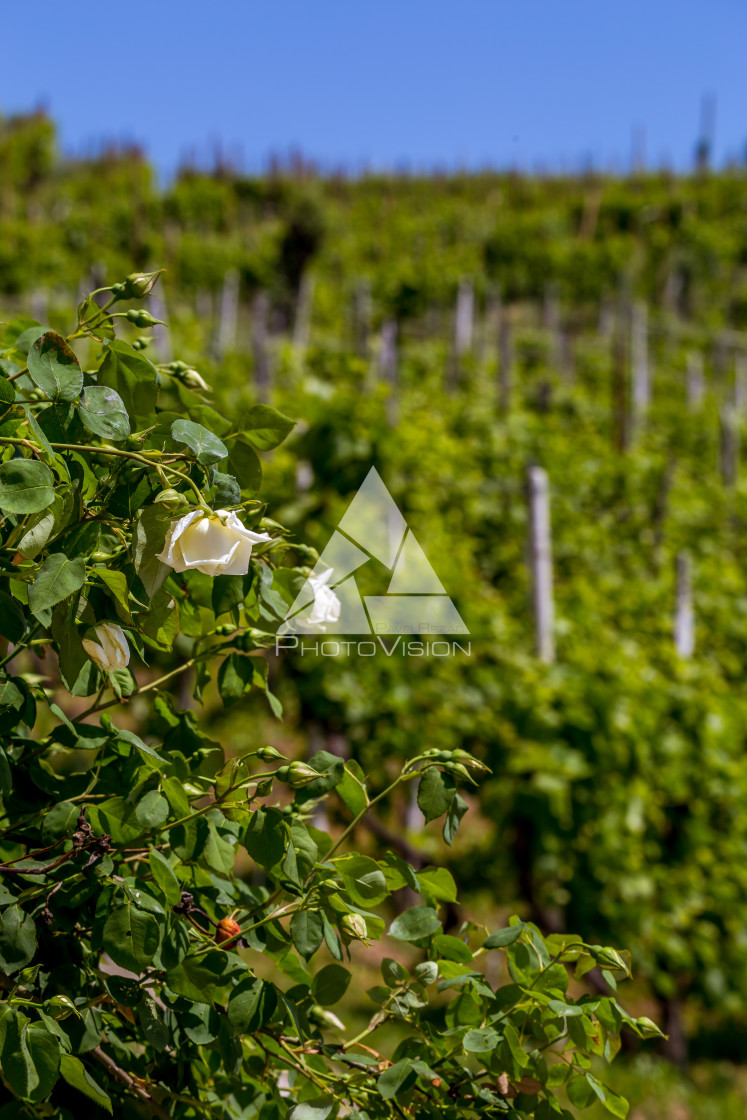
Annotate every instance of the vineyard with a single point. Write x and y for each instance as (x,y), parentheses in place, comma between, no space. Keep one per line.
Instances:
(550,377)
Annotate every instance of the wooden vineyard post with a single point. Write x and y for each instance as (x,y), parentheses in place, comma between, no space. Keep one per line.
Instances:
(302,322)
(260,315)
(361,317)
(388,366)
(695,381)
(566,358)
(620,392)
(490,321)
(729,446)
(464,325)
(684,617)
(740,382)
(205,309)
(505,362)
(39,303)
(464,328)
(229,314)
(540,560)
(606,324)
(639,365)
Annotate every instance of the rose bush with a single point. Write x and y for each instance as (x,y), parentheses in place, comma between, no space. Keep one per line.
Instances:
(138,969)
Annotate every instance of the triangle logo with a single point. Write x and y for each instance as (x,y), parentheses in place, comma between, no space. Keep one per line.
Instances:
(373,529)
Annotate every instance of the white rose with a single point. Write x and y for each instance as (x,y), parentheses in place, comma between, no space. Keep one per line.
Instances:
(111,650)
(216,544)
(326,606)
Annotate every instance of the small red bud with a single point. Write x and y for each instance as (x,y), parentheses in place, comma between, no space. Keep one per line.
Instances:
(227,930)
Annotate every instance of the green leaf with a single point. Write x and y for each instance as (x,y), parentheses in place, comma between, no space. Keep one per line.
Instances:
(25,486)
(480,1041)
(7,392)
(352,791)
(17,939)
(57,579)
(148,538)
(503,937)
(124,991)
(452,948)
(152,1025)
(103,413)
(235,677)
(397,1079)
(266,427)
(54,368)
(131,937)
(393,973)
(152,809)
(456,811)
(266,838)
(207,447)
(581,1091)
(12,618)
(319,1108)
(44,1053)
(76,1075)
(46,524)
(133,377)
(437,884)
(330,984)
(17,1069)
(426,972)
(435,793)
(163,874)
(251,1005)
(415,923)
(363,878)
(244,464)
(228,592)
(200,978)
(227,491)
(615,1104)
(307,931)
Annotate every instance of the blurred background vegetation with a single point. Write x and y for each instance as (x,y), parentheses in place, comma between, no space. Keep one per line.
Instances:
(455,331)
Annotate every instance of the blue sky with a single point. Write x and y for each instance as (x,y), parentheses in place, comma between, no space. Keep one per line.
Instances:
(422,82)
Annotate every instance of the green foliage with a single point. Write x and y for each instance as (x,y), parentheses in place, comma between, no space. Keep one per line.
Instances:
(120,846)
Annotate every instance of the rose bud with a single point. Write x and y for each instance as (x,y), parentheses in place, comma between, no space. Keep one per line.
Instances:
(111,650)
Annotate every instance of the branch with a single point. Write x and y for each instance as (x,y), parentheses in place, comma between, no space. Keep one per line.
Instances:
(132,1085)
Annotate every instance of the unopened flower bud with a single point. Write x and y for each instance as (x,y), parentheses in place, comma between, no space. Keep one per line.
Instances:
(60,1007)
(355,926)
(193,380)
(110,650)
(142,318)
(169,496)
(268,754)
(296,774)
(299,774)
(140,343)
(138,284)
(324,1018)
